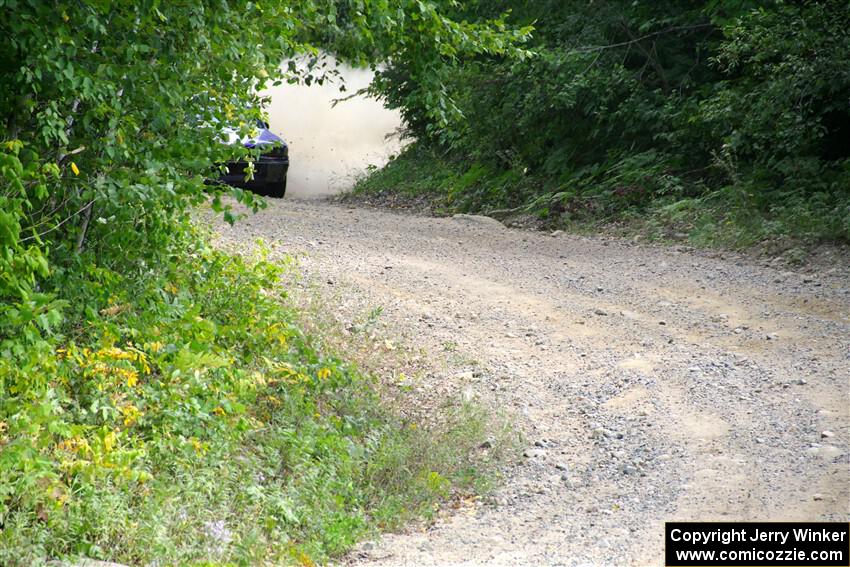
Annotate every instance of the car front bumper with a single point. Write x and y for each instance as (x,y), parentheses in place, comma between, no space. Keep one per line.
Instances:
(267,171)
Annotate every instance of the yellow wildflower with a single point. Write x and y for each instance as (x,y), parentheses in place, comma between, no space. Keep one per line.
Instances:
(131,376)
(109,441)
(131,414)
(116,353)
(73,445)
(199,447)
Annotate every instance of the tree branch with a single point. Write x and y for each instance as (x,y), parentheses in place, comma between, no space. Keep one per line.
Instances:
(643,37)
(81,238)
(60,223)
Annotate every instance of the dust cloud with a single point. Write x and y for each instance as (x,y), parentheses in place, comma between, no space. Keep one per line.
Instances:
(329,147)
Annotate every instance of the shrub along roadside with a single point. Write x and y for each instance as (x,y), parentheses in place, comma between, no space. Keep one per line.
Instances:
(156,401)
(726,119)
(730,216)
(184,416)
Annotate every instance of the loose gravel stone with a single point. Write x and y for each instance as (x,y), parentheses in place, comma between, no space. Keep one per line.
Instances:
(534,453)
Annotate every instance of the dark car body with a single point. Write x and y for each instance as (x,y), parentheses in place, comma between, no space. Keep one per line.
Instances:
(269,169)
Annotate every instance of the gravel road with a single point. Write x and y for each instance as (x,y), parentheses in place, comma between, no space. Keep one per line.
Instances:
(651,383)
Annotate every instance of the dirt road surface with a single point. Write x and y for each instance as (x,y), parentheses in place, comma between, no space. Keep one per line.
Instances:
(651,383)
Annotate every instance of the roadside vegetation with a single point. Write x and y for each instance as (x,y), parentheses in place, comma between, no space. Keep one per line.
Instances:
(160,401)
(186,416)
(724,122)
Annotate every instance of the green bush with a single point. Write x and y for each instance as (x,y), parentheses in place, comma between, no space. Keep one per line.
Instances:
(184,416)
(627,107)
(157,402)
